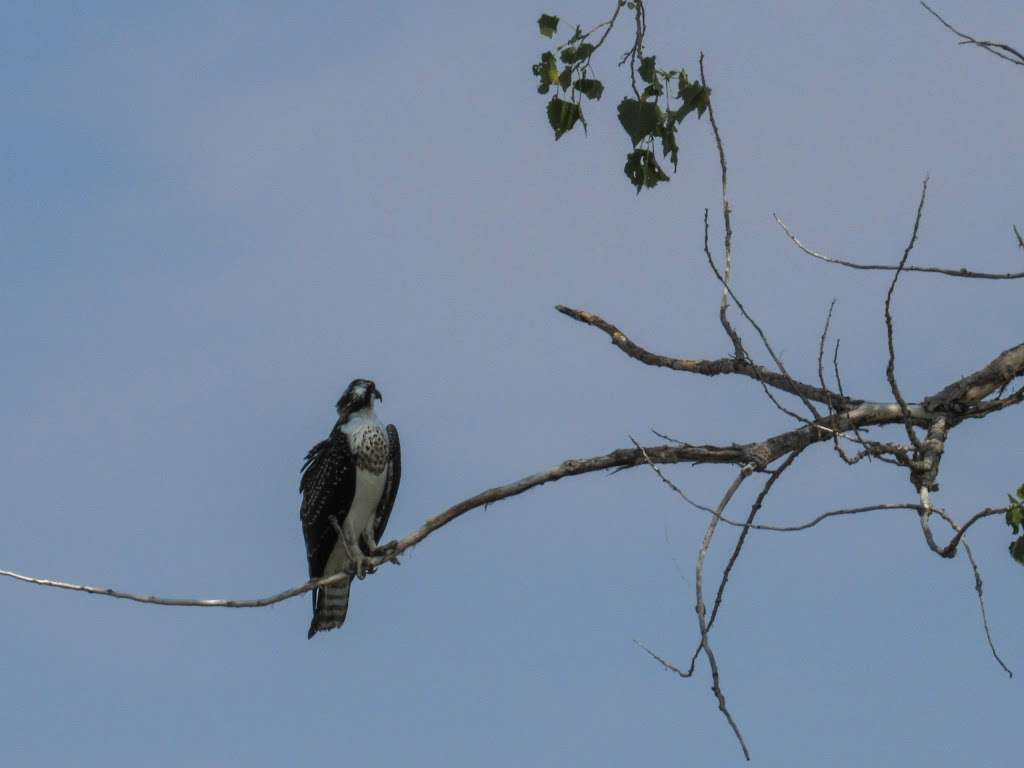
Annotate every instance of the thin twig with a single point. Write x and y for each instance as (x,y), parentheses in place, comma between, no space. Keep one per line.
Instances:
(701,608)
(890,369)
(792,528)
(672,485)
(726,221)
(755,507)
(871,449)
(821,379)
(979,586)
(664,662)
(1002,50)
(794,389)
(188,602)
(962,272)
(835,513)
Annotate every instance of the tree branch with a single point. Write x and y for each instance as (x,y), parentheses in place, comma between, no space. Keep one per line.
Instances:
(723,317)
(962,272)
(701,610)
(185,602)
(979,586)
(970,389)
(1002,50)
(890,369)
(725,365)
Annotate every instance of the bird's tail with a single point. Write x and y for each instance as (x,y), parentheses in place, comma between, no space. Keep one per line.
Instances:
(331,606)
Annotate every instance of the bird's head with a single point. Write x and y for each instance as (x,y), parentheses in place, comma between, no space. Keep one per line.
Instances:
(358,396)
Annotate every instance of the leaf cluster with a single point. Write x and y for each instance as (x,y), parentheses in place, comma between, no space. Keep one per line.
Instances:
(574,77)
(668,96)
(1015,519)
(644,120)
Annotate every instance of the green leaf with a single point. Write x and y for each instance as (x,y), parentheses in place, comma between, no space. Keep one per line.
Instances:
(654,89)
(577,35)
(669,147)
(642,169)
(694,96)
(1015,516)
(592,89)
(565,79)
(639,118)
(647,70)
(571,55)
(547,71)
(1017,550)
(562,115)
(548,25)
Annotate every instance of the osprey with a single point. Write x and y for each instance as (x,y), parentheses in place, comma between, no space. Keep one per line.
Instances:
(349,482)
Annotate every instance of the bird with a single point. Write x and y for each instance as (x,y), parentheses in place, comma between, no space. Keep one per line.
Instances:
(348,484)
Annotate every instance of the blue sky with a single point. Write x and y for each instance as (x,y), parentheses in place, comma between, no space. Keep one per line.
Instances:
(214,215)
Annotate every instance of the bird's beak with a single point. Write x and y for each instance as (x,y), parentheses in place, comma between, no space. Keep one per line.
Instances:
(376,394)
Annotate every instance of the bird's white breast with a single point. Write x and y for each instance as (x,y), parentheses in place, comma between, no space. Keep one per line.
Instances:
(369,489)
(363,429)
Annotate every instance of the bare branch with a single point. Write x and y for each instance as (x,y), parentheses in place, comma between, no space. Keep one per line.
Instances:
(962,272)
(802,526)
(872,450)
(701,609)
(961,530)
(976,386)
(795,387)
(835,513)
(821,380)
(607,28)
(187,602)
(979,586)
(673,486)
(737,343)
(1002,50)
(664,662)
(970,389)
(727,223)
(950,549)
(924,516)
(754,509)
(725,365)
(986,407)
(890,369)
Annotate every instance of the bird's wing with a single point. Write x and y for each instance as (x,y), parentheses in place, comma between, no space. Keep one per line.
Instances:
(328,485)
(387,499)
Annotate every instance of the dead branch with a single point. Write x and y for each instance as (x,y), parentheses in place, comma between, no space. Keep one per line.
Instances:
(754,509)
(796,388)
(725,365)
(701,610)
(890,369)
(1002,50)
(723,316)
(979,586)
(185,602)
(961,272)
(972,388)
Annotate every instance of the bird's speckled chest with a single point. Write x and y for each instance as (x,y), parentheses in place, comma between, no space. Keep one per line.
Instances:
(369,445)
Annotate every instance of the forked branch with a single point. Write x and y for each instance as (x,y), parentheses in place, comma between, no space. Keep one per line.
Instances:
(1002,50)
